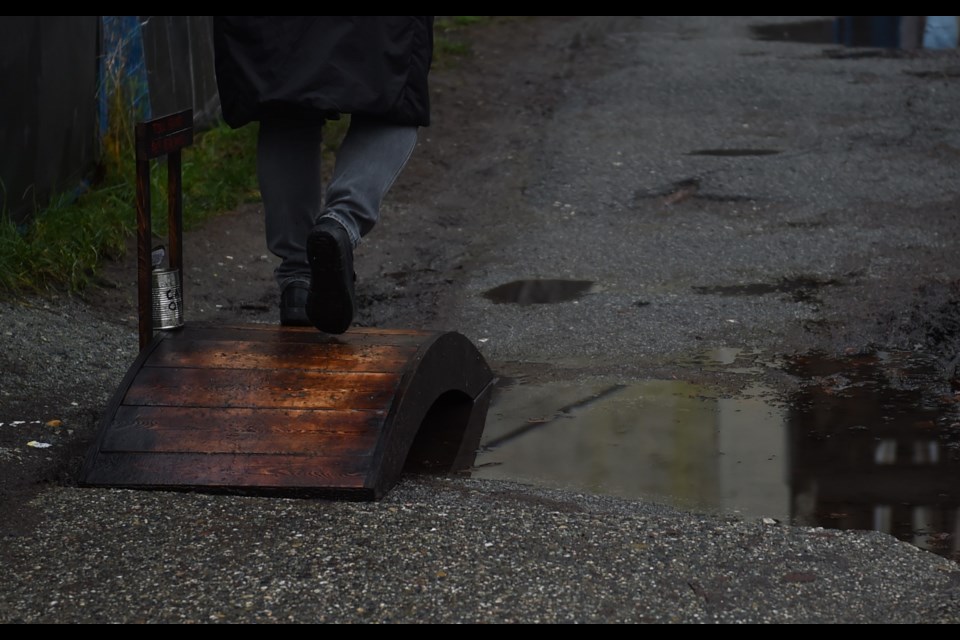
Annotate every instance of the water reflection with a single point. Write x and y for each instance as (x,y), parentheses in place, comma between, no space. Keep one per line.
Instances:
(871,449)
(658,439)
(865,444)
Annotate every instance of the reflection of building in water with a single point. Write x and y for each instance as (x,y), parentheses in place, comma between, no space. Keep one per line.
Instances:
(647,440)
(660,440)
(866,451)
(859,448)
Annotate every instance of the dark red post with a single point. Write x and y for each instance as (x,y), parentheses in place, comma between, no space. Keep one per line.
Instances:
(155,138)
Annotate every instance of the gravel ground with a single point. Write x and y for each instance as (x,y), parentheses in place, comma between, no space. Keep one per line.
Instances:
(533,163)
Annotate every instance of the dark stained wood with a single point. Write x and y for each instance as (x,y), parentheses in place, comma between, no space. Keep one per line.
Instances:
(283,388)
(254,431)
(450,434)
(319,356)
(175,206)
(289,411)
(449,370)
(278,409)
(191,470)
(144,268)
(166,135)
(306,335)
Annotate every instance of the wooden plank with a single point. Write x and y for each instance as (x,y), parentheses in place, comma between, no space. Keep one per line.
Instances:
(252,431)
(221,354)
(449,435)
(297,335)
(164,135)
(354,331)
(144,265)
(448,369)
(289,411)
(189,470)
(256,388)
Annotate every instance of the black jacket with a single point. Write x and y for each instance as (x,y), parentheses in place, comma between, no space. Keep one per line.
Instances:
(317,67)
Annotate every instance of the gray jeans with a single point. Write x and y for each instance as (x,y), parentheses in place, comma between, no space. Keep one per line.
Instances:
(368,162)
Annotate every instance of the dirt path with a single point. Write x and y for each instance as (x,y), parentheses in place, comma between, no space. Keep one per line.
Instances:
(484,107)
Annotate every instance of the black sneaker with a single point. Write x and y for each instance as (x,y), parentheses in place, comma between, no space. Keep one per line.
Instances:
(330,304)
(293,305)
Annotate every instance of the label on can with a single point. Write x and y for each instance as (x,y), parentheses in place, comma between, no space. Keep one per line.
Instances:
(167,299)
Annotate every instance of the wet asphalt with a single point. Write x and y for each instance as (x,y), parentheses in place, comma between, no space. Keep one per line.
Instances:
(845,170)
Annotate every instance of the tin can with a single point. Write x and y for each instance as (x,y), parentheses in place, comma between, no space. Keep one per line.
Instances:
(167,299)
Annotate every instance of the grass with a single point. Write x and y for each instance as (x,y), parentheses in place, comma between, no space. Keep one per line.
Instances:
(65,243)
(448,43)
(451,37)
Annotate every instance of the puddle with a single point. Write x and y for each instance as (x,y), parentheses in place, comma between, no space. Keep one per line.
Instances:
(733,152)
(868,443)
(728,359)
(539,291)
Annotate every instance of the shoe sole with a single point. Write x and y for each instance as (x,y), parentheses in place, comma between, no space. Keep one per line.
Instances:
(330,301)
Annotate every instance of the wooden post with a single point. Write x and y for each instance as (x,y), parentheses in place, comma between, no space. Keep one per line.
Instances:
(155,138)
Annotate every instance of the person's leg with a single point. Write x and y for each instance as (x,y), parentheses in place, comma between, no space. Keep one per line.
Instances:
(370,158)
(288,169)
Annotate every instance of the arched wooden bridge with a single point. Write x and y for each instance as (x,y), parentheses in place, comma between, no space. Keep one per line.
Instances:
(272,409)
(280,410)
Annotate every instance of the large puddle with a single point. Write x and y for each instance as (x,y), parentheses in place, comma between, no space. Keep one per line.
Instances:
(869,442)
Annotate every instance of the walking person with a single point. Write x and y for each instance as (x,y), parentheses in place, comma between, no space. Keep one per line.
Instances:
(291,74)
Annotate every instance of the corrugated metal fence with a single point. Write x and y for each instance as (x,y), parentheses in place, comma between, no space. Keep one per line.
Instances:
(55,77)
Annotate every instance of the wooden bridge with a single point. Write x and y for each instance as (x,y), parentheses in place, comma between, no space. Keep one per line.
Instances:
(267,409)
